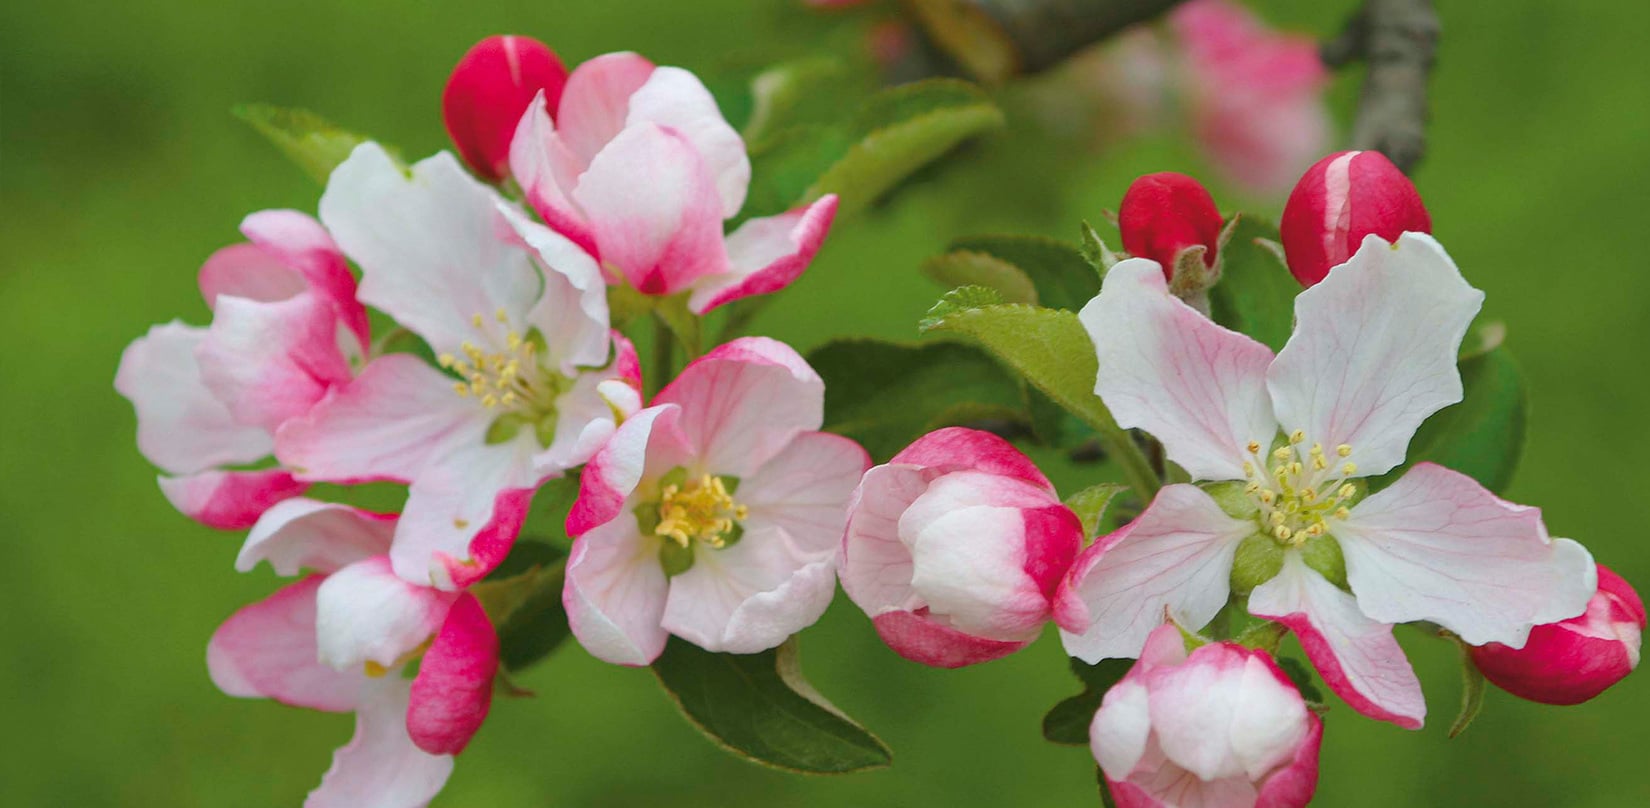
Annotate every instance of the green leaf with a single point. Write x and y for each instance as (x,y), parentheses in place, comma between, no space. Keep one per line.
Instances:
(1068,722)
(900,130)
(1302,677)
(965,268)
(886,394)
(1472,691)
(759,707)
(803,91)
(1090,505)
(786,164)
(1256,293)
(1062,277)
(309,140)
(1095,252)
(1483,435)
(523,599)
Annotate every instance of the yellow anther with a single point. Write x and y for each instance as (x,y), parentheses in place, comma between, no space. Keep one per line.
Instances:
(446,360)
(476,321)
(1283,533)
(1347,490)
(1284,453)
(1342,512)
(1349,469)
(1268,497)
(1317,449)
(703,510)
(375,670)
(1251,488)
(1343,450)
(489,401)
(1248,469)
(512,340)
(1295,468)
(1318,463)
(501,315)
(1278,518)
(461,388)
(508,399)
(1308,494)
(1254,447)
(1317,529)
(1297,436)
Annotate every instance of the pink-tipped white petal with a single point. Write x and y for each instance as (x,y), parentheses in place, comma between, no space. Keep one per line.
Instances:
(675,99)
(1121,727)
(380,767)
(751,596)
(249,271)
(596,102)
(545,168)
(924,638)
(649,441)
(1356,656)
(615,593)
(1197,387)
(1227,712)
(182,426)
(1437,546)
(454,687)
(744,401)
(1374,350)
(267,650)
(955,448)
(365,613)
(571,312)
(1176,557)
(876,564)
(230,500)
(302,244)
(804,488)
(473,494)
(270,362)
(300,534)
(767,254)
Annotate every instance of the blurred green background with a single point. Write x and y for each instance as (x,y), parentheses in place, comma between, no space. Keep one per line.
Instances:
(121,169)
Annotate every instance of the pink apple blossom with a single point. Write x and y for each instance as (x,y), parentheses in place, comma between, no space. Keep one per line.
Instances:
(954,548)
(1574,660)
(530,381)
(640,168)
(1373,354)
(285,329)
(1221,727)
(340,640)
(489,90)
(715,515)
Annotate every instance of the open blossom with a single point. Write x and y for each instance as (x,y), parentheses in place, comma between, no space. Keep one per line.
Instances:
(1373,354)
(639,168)
(1574,660)
(530,381)
(285,329)
(955,547)
(340,639)
(715,514)
(1222,727)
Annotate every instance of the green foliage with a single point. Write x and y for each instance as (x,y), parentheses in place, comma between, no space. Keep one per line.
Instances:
(1472,691)
(759,707)
(1058,273)
(1483,435)
(1256,293)
(785,164)
(967,268)
(1301,676)
(313,142)
(523,599)
(1091,504)
(1068,721)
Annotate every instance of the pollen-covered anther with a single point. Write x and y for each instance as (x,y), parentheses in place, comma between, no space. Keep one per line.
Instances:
(699,510)
(1304,490)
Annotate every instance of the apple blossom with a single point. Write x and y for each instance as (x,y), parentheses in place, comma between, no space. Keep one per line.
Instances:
(340,640)
(517,316)
(639,168)
(1221,727)
(954,548)
(1573,660)
(488,91)
(1340,200)
(716,514)
(1373,354)
(1165,214)
(286,329)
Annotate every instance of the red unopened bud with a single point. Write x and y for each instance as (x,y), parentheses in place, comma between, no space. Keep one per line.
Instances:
(1165,213)
(1340,200)
(1572,661)
(488,92)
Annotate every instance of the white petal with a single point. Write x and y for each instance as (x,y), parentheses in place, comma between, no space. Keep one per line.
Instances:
(571,312)
(615,593)
(182,426)
(365,613)
(751,596)
(876,564)
(453,502)
(301,533)
(1121,729)
(380,767)
(805,489)
(596,100)
(674,98)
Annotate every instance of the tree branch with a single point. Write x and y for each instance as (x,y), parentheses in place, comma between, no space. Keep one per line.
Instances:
(997,39)
(1399,40)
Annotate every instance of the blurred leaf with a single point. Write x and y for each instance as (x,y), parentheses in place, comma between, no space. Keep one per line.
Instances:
(1090,505)
(811,90)
(786,164)
(1482,340)
(1483,435)
(309,140)
(885,394)
(1068,722)
(1472,691)
(523,600)
(547,518)
(1062,277)
(1256,293)
(965,268)
(1298,673)
(759,707)
(1095,252)
(901,130)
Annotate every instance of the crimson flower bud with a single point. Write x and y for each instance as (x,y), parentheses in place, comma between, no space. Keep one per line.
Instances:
(489,91)
(1340,200)
(1165,213)
(1577,659)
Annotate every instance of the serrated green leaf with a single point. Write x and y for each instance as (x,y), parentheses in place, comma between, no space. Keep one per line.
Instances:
(1472,691)
(1483,435)
(1062,277)
(965,268)
(759,707)
(313,142)
(886,394)
(1090,505)
(1256,293)
(1068,721)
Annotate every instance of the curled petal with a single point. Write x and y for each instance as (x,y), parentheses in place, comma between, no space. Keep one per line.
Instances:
(767,254)
(303,533)
(744,401)
(595,103)
(267,650)
(454,687)
(230,500)
(365,613)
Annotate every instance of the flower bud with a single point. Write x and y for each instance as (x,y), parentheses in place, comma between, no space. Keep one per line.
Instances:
(955,548)
(1223,722)
(1166,213)
(489,91)
(1340,200)
(1574,660)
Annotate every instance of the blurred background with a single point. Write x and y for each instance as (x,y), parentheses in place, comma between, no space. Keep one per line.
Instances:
(121,170)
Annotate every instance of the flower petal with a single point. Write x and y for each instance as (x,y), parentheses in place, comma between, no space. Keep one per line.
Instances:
(744,402)
(876,564)
(923,639)
(751,596)
(547,172)
(955,448)
(454,687)
(301,243)
(270,362)
(365,613)
(1436,546)
(267,650)
(380,767)
(650,439)
(230,500)
(1374,350)
(301,533)
(1197,387)
(675,99)
(805,487)
(596,100)
(462,516)
(249,271)
(571,312)
(1175,557)
(615,593)
(1121,728)
(182,426)
(1357,656)
(767,254)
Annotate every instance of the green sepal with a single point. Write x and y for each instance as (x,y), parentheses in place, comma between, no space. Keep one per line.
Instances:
(1091,505)
(1068,721)
(503,429)
(674,558)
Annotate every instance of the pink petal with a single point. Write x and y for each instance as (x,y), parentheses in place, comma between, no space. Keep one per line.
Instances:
(300,242)
(182,426)
(1293,785)
(876,564)
(454,687)
(365,613)
(805,489)
(1374,348)
(653,210)
(380,767)
(767,254)
(751,596)
(744,401)
(955,448)
(1175,557)
(1357,656)
(924,640)
(675,99)
(300,534)
(1436,546)
(270,362)
(1165,368)
(548,172)
(489,547)
(462,516)
(615,593)
(229,500)
(267,650)
(596,101)
(249,271)
(650,438)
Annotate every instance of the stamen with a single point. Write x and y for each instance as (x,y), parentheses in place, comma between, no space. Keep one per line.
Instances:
(1254,447)
(1343,450)
(1297,436)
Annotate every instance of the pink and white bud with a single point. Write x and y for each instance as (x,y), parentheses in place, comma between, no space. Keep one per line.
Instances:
(488,92)
(1340,200)
(955,548)
(1574,660)
(1165,214)
(1222,727)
